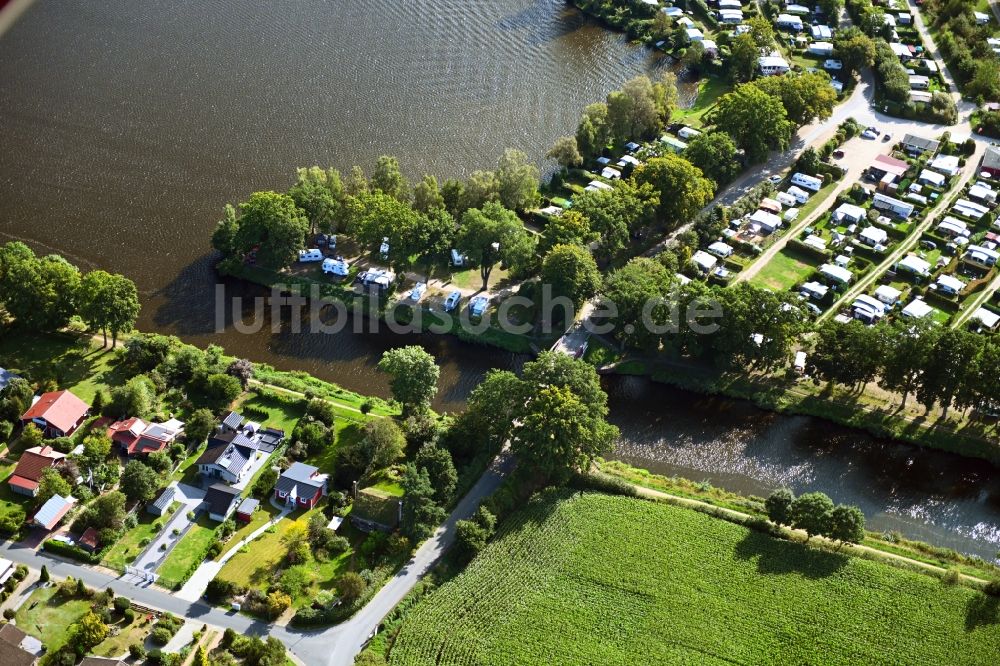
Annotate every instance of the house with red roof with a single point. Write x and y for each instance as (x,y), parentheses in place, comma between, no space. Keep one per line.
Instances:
(30,466)
(136,437)
(57,413)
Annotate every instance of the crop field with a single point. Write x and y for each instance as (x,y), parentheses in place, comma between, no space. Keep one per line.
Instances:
(596,579)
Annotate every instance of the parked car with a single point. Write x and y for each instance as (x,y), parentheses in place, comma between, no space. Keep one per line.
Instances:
(775,178)
(418,291)
(457,258)
(837,154)
(478,305)
(451,302)
(886,136)
(869,134)
(929,244)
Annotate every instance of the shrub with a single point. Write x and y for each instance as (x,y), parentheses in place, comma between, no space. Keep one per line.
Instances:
(214,550)
(9,613)
(993,588)
(161,635)
(137,651)
(129,615)
(122,604)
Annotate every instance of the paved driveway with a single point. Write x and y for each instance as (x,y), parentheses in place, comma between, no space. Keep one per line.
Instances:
(153,556)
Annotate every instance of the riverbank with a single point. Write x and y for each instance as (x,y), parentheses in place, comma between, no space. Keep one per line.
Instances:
(870,410)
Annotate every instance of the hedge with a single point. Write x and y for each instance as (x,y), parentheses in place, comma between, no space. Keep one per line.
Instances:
(74,552)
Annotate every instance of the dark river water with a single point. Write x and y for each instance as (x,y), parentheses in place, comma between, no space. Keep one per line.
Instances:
(127,125)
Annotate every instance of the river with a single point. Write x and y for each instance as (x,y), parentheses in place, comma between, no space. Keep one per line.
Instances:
(127,126)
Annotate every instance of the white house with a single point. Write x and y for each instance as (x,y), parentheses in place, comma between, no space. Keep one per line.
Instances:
(808,182)
(983,192)
(597,185)
(902,51)
(904,19)
(789,22)
(849,212)
(730,4)
(836,274)
(821,32)
(695,34)
(981,18)
(914,264)
(867,309)
(987,318)
(949,284)
(921,96)
(720,249)
(772,64)
(815,242)
(918,144)
(970,209)
(928,177)
(951,227)
(767,222)
(730,16)
(981,256)
(930,65)
(917,309)
(873,236)
(710,48)
(814,290)
(888,295)
(946,164)
(790,215)
(919,82)
(687,132)
(821,49)
(704,260)
(610,173)
(797,10)
(900,208)
(673,12)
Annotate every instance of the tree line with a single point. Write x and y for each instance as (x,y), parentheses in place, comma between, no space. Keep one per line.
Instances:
(816,515)
(44,294)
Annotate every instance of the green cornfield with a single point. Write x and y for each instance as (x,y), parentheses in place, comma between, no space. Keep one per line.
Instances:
(598,579)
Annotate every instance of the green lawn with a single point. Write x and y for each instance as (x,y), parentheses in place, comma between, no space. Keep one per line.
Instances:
(47,616)
(74,362)
(115,646)
(783,272)
(10,500)
(126,549)
(264,513)
(256,565)
(279,414)
(709,90)
(189,551)
(597,579)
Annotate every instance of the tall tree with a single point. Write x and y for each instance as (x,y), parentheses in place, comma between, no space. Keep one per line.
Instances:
(414,377)
(517,181)
(41,294)
(388,179)
(779,506)
(565,152)
(806,96)
(908,345)
(847,353)
(572,272)
(854,49)
(493,234)
(762,33)
(556,369)
(682,186)
(593,132)
(614,213)
(557,435)
(320,194)
(480,188)
(949,372)
(715,154)
(811,512)
(628,290)
(743,58)
(139,481)
(757,121)
(847,524)
(632,111)
(421,512)
(440,469)
(110,303)
(427,196)
(272,224)
(570,228)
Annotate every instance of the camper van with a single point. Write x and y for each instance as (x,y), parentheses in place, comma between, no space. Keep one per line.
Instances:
(312,254)
(809,182)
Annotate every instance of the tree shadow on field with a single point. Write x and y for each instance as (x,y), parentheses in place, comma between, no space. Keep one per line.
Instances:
(982,610)
(776,556)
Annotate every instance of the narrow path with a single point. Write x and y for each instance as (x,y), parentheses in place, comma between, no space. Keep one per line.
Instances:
(910,241)
(793,534)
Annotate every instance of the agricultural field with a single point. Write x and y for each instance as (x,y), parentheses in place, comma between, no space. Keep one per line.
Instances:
(597,579)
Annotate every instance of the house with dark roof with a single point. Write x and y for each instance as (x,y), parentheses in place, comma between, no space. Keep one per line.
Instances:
(221,501)
(163,502)
(136,437)
(57,413)
(231,422)
(300,485)
(991,162)
(230,462)
(89,540)
(918,144)
(13,651)
(31,464)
